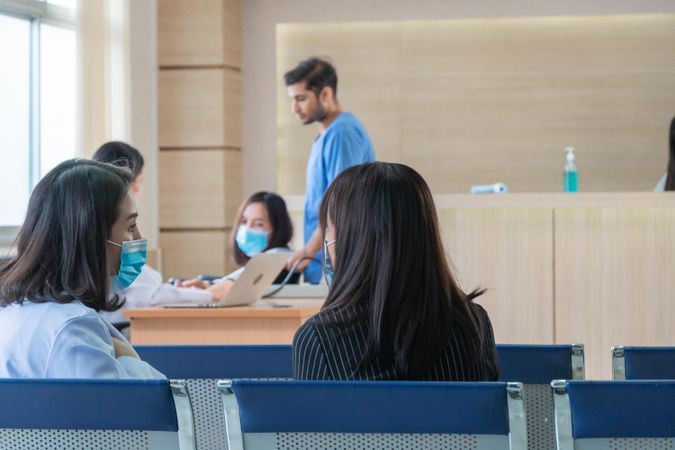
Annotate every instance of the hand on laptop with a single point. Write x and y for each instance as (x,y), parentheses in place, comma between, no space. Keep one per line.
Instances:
(193,283)
(218,290)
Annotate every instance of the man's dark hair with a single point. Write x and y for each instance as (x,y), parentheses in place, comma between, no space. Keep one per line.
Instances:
(120,154)
(316,73)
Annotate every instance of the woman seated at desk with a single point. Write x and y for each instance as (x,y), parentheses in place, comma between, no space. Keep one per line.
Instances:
(263,225)
(77,247)
(394,311)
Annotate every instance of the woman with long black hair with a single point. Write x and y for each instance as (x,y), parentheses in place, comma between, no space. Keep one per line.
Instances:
(394,310)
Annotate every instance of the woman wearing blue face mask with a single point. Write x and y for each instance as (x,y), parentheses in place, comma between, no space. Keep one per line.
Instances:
(263,225)
(148,288)
(78,245)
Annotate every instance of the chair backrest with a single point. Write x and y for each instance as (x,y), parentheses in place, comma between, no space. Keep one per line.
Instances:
(373,414)
(643,363)
(614,414)
(541,364)
(536,366)
(203,365)
(111,414)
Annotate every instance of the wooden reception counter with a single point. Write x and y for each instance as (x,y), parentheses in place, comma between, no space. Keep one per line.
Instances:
(593,268)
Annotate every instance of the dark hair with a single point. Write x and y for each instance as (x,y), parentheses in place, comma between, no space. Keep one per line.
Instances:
(389,257)
(282,227)
(670,179)
(120,154)
(61,247)
(316,73)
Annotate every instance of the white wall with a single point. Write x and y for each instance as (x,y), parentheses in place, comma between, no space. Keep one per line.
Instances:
(260,17)
(118,88)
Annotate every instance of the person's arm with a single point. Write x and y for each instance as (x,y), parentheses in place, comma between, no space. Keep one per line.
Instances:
(219,290)
(84,348)
(309,250)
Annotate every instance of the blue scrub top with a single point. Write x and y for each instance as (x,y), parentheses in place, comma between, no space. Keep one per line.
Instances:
(345,143)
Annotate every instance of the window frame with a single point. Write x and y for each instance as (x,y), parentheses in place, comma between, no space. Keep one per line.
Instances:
(36,12)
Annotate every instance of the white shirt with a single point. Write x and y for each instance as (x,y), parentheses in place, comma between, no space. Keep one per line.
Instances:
(148,290)
(52,340)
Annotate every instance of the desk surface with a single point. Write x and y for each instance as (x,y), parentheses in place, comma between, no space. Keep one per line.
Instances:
(264,308)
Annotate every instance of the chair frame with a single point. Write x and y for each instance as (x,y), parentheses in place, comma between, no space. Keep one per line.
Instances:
(619,360)
(515,404)
(182,408)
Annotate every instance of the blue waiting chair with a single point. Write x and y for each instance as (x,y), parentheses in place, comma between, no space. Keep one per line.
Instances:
(203,365)
(373,414)
(643,363)
(614,414)
(110,414)
(536,366)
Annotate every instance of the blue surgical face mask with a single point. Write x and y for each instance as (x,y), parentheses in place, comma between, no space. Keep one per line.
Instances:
(327,265)
(251,241)
(132,260)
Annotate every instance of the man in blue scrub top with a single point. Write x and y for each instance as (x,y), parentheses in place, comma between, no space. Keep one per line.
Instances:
(342,143)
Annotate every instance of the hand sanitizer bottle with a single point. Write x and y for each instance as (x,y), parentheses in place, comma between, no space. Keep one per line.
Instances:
(570,176)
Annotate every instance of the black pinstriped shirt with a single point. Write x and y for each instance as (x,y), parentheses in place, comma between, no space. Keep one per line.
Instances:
(325,348)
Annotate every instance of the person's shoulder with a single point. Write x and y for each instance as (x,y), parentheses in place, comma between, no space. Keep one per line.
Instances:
(51,320)
(478,311)
(77,314)
(344,125)
(58,312)
(305,333)
(345,122)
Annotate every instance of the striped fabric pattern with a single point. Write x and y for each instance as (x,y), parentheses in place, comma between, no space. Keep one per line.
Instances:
(324,348)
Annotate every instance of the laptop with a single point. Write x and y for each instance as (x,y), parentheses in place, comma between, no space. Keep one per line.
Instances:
(260,271)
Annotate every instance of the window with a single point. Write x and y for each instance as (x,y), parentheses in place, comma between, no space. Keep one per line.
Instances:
(14,118)
(38,92)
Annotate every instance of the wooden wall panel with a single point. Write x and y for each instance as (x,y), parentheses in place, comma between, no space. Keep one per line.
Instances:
(192,189)
(232,33)
(199,133)
(190,32)
(186,254)
(509,252)
(614,280)
(487,100)
(154,259)
(233,195)
(191,108)
(232,108)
